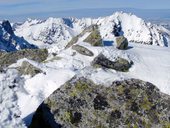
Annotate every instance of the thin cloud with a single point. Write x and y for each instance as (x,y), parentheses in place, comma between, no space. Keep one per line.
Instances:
(21,4)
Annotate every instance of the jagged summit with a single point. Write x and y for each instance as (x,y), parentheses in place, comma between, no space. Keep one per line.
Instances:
(9,41)
(59,31)
(7,27)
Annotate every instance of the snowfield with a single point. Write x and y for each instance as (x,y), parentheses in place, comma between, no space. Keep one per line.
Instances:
(9,109)
(20,95)
(151,63)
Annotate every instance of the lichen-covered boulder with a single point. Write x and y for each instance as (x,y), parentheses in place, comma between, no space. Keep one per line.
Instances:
(94,38)
(28,69)
(119,64)
(8,58)
(80,103)
(82,50)
(121,43)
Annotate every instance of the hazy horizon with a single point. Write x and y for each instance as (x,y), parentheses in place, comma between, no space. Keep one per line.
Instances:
(20,10)
(147,14)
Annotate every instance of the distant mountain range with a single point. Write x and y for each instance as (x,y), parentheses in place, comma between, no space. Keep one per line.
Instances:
(55,33)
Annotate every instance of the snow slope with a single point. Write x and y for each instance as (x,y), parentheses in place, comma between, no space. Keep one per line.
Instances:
(56,32)
(151,63)
(9,109)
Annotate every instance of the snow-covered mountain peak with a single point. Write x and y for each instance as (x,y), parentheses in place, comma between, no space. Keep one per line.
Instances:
(132,27)
(57,32)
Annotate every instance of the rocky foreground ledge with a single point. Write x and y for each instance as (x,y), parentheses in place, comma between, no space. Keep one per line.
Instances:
(124,104)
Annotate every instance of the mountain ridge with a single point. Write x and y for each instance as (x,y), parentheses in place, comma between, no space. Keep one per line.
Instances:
(11,42)
(59,31)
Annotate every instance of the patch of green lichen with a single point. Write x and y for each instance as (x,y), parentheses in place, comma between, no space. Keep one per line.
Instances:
(94,38)
(131,125)
(51,103)
(67,116)
(166,125)
(146,124)
(135,126)
(81,86)
(146,105)
(120,89)
(74,93)
(135,92)
(111,94)
(100,125)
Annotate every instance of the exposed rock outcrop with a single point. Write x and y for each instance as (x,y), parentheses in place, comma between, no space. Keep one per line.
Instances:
(8,58)
(94,38)
(80,103)
(28,69)
(119,64)
(82,50)
(121,43)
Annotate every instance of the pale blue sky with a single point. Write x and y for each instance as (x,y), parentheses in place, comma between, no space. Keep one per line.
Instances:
(14,9)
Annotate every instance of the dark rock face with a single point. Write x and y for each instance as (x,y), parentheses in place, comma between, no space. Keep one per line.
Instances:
(7,26)
(80,103)
(9,41)
(119,64)
(42,121)
(100,102)
(121,42)
(117,29)
(8,58)
(82,50)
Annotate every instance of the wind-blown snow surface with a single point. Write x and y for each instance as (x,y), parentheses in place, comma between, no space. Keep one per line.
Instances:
(9,109)
(151,63)
(56,32)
